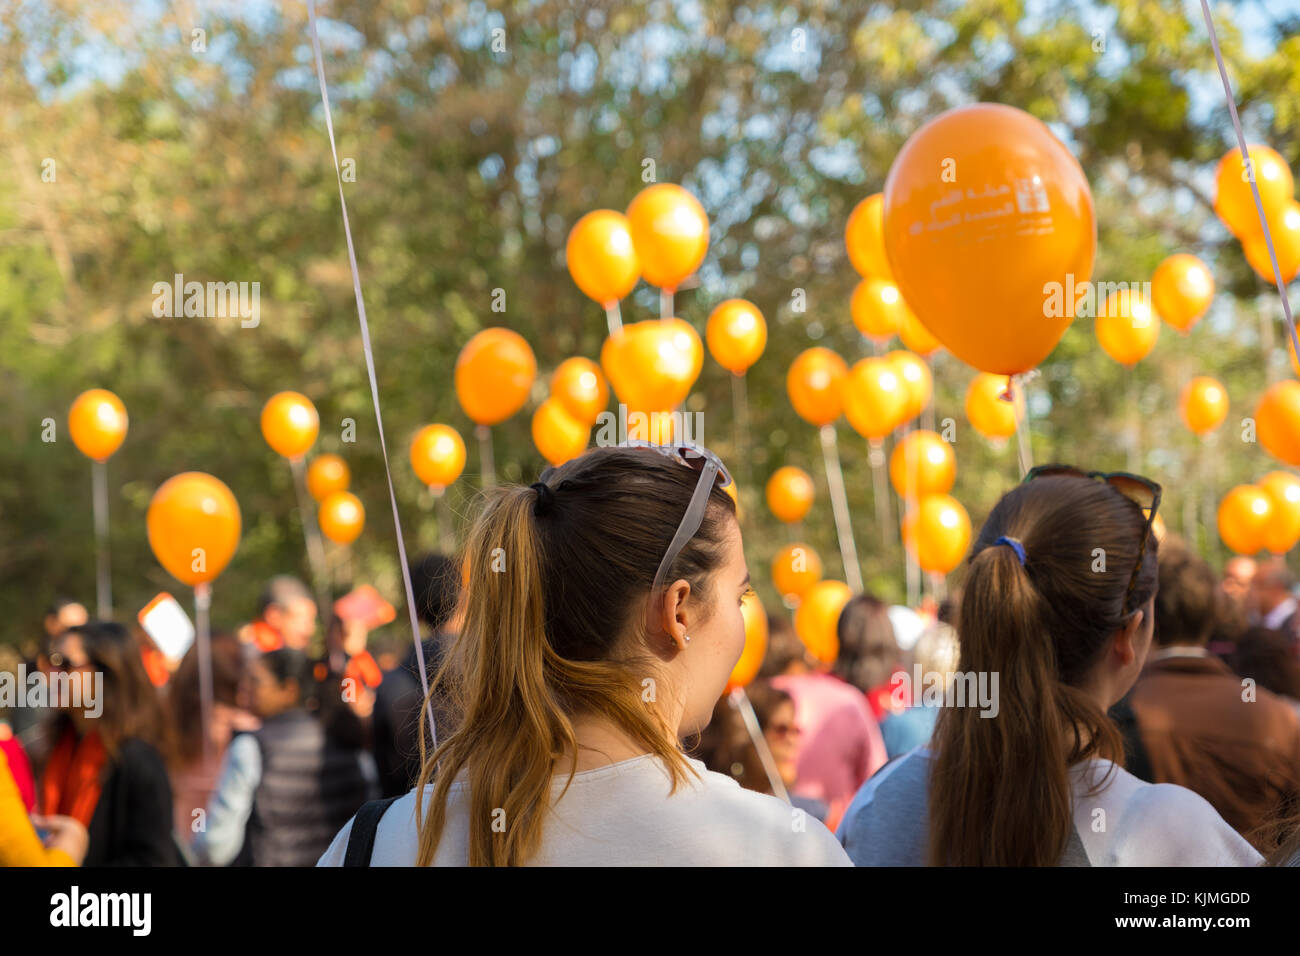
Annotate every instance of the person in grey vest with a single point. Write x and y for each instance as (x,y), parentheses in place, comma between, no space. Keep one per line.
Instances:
(285,789)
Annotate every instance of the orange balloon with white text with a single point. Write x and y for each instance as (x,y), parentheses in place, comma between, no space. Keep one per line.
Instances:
(795,569)
(790,493)
(601,258)
(751,657)
(817,619)
(494,374)
(193,524)
(1203,404)
(1182,288)
(97,422)
(670,233)
(922,464)
(984,208)
(815,384)
(1244,516)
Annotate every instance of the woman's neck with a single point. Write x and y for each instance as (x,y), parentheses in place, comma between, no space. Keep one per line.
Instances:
(600,743)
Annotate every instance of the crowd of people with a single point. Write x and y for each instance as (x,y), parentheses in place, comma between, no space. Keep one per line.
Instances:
(1144,711)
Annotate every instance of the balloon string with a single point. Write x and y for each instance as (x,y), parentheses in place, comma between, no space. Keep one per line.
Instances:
(880,488)
(913,569)
(370,370)
(614,318)
(840,506)
(1254,186)
(202,604)
(1021,409)
(665,303)
(740,701)
(740,422)
(486,460)
(311,533)
(103,574)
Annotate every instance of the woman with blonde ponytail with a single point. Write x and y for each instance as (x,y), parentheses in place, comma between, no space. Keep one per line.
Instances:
(1056,616)
(601,622)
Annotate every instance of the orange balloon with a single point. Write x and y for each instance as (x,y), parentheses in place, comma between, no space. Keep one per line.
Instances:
(657,426)
(1284,230)
(342,517)
(1244,516)
(736,334)
(1181,290)
(875,398)
(938,533)
(973,251)
(1277,419)
(877,308)
(653,364)
(1203,404)
(790,493)
(818,617)
(557,434)
(97,421)
(795,569)
(815,384)
(494,374)
(734,494)
(1158,528)
(1282,533)
(917,380)
(580,387)
(670,233)
(438,455)
(1126,327)
(751,657)
(1234,201)
(193,524)
(601,258)
(915,335)
(864,237)
(922,464)
(327,474)
(290,423)
(990,414)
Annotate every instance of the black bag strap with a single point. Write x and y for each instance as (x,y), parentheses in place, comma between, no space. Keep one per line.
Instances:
(361,841)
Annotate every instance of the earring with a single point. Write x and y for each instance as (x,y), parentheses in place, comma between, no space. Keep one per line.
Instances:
(688,638)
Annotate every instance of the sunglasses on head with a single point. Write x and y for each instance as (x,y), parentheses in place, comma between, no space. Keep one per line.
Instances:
(711,471)
(1143,492)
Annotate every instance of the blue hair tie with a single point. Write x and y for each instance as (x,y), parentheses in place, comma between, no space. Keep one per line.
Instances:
(1015,546)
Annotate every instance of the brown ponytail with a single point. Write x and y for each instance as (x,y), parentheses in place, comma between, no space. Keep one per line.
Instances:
(557,581)
(1000,790)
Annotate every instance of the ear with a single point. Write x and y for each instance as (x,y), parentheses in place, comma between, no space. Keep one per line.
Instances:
(671,616)
(1126,638)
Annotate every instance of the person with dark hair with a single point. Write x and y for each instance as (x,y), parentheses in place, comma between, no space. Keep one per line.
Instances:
(286,788)
(1271,597)
(286,616)
(1239,748)
(398,711)
(108,768)
(1266,657)
(1058,604)
(601,622)
(195,768)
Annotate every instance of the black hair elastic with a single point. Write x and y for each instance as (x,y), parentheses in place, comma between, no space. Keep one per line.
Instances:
(545,503)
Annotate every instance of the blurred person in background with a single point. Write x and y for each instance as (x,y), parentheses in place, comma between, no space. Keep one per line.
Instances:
(936,652)
(399,699)
(20,768)
(63,842)
(286,788)
(194,773)
(31,723)
(286,616)
(108,771)
(1272,599)
(869,653)
(1267,657)
(1238,573)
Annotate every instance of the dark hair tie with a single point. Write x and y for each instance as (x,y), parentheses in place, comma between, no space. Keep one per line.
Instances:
(545,503)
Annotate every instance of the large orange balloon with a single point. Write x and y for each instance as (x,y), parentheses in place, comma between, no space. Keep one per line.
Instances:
(815,383)
(983,208)
(795,569)
(917,380)
(580,387)
(1277,419)
(922,464)
(327,474)
(877,308)
(864,237)
(1234,200)
(1282,533)
(438,455)
(601,258)
(1181,290)
(342,517)
(494,373)
(1126,327)
(97,421)
(193,524)
(1284,230)
(1244,516)
(736,334)
(751,657)
(653,364)
(557,434)
(290,423)
(990,414)
(818,617)
(790,493)
(875,398)
(1203,404)
(670,233)
(938,533)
